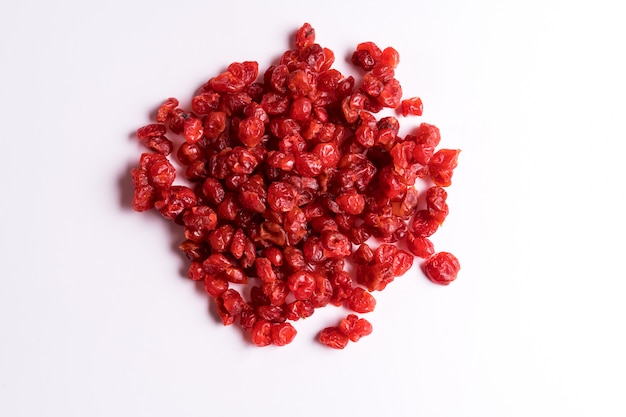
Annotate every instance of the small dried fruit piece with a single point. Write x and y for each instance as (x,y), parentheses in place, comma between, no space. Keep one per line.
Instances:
(361,301)
(419,246)
(442,268)
(151,131)
(412,106)
(262,333)
(441,166)
(355,327)
(164,110)
(283,333)
(301,284)
(333,337)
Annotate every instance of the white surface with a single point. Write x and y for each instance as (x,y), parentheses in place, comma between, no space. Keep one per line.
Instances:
(96,318)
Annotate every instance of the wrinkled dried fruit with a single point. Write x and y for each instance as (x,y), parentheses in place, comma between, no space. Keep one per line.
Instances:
(442,268)
(287,170)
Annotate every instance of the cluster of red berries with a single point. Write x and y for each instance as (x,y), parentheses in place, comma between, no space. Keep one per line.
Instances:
(291,176)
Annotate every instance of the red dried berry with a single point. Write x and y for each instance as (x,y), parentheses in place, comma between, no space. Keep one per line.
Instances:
(282,197)
(151,131)
(355,327)
(390,57)
(441,165)
(205,103)
(419,246)
(173,201)
(262,333)
(214,124)
(160,144)
(302,284)
(215,285)
(428,135)
(424,225)
(305,36)
(361,301)
(391,94)
(193,130)
(333,337)
(164,110)
(442,268)
(251,130)
(412,106)
(283,333)
(299,309)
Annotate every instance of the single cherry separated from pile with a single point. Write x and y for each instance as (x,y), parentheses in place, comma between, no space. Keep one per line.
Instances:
(292,177)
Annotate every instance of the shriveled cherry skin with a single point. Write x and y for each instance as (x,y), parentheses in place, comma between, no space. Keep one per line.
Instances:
(442,268)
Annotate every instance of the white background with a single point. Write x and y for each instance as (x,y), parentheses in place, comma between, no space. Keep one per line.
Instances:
(97,319)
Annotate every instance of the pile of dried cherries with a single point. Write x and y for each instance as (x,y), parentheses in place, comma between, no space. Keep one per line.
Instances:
(291,182)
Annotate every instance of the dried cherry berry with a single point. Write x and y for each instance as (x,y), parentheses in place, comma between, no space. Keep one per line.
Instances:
(151,131)
(277,291)
(173,201)
(160,144)
(188,153)
(271,313)
(355,327)
(351,202)
(336,245)
(363,59)
(309,164)
(391,94)
(227,82)
(436,203)
(248,318)
(232,301)
(199,221)
(164,110)
(419,246)
(299,309)
(401,262)
(161,173)
(302,284)
(428,134)
(361,301)
(262,333)
(283,333)
(282,197)
(196,272)
(441,165)
(192,129)
(205,103)
(194,251)
(246,71)
(251,130)
(372,50)
(328,154)
(333,337)
(341,283)
(424,225)
(305,36)
(442,268)
(214,124)
(412,106)
(423,152)
(390,57)
(215,285)
(323,291)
